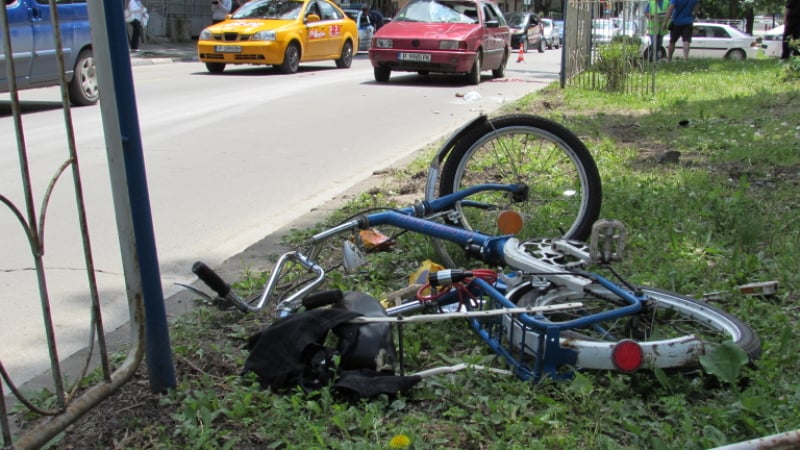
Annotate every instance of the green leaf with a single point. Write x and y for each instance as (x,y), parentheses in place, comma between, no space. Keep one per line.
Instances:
(725,362)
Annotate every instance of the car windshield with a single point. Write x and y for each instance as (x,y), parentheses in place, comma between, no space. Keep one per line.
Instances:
(269,9)
(438,11)
(517,20)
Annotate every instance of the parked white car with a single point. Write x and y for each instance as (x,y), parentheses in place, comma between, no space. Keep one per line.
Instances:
(772,42)
(717,40)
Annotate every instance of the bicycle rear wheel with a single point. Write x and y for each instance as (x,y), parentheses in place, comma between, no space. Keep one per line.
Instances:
(672,330)
(564,185)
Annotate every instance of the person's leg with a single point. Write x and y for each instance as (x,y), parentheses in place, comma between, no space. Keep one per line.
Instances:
(686,35)
(670,48)
(653,46)
(674,34)
(659,44)
(136,35)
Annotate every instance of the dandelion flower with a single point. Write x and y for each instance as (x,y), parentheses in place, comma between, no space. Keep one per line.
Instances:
(400,441)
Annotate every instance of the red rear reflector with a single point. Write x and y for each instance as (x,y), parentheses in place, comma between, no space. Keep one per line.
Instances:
(627,356)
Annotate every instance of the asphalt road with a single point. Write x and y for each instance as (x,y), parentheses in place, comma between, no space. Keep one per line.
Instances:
(230,159)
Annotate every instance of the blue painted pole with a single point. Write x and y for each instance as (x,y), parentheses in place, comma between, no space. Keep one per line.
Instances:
(110,40)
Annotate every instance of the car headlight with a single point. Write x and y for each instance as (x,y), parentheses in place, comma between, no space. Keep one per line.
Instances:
(205,35)
(263,36)
(383,43)
(448,45)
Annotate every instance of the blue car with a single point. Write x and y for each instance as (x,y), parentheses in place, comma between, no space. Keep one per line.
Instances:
(34,54)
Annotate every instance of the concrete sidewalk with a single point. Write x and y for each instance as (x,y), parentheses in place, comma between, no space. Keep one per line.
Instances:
(161,51)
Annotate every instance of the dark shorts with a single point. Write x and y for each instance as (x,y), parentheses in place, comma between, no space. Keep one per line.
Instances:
(680,31)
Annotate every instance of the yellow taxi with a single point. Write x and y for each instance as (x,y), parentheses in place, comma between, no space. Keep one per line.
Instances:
(281,33)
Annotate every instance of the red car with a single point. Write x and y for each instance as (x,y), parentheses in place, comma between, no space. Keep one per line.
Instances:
(443,36)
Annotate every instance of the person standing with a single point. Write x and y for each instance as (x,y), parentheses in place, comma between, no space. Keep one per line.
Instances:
(791,28)
(219,10)
(136,12)
(680,17)
(656,12)
(375,17)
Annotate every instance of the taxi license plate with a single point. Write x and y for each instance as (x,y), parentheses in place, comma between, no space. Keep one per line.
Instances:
(228,48)
(416,57)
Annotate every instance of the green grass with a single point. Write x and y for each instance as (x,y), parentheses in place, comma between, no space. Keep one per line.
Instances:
(725,214)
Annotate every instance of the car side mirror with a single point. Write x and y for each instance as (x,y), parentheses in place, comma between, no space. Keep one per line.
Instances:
(312,18)
(492,23)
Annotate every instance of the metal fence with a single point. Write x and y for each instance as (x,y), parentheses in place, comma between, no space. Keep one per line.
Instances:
(607,47)
(141,280)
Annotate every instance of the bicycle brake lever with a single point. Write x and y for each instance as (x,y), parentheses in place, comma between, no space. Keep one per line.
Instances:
(196,291)
(221,303)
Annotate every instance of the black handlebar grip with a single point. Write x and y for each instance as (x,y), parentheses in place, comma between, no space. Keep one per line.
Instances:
(211,278)
(323,298)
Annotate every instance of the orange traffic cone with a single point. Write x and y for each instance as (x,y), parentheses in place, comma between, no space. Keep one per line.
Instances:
(521,57)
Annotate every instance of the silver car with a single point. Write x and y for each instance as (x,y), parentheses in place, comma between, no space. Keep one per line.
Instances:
(365,29)
(552,36)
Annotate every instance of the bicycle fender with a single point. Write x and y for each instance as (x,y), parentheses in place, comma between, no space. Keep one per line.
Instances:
(444,150)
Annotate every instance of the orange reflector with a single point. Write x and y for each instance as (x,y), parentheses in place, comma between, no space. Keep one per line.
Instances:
(509,222)
(627,356)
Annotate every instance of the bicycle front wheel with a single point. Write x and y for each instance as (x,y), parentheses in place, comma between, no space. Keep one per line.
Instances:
(672,330)
(564,184)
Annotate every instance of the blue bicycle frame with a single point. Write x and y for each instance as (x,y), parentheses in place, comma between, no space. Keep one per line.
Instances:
(491,250)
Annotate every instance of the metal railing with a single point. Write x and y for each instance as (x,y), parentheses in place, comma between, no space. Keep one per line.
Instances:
(606,47)
(142,283)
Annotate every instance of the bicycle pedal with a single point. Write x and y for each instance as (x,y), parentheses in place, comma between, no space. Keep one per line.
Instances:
(607,241)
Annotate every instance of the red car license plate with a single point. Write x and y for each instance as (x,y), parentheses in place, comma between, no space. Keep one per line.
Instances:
(416,57)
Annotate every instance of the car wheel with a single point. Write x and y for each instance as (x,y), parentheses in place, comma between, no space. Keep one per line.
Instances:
(291,59)
(474,75)
(83,86)
(737,54)
(540,47)
(215,67)
(382,74)
(347,56)
(500,72)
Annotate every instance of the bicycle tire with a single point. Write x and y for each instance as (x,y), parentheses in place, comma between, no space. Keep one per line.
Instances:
(565,189)
(669,321)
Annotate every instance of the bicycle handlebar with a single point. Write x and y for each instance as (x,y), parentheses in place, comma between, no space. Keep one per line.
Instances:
(211,278)
(490,249)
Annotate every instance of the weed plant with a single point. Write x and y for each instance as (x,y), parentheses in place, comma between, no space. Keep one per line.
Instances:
(705,176)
